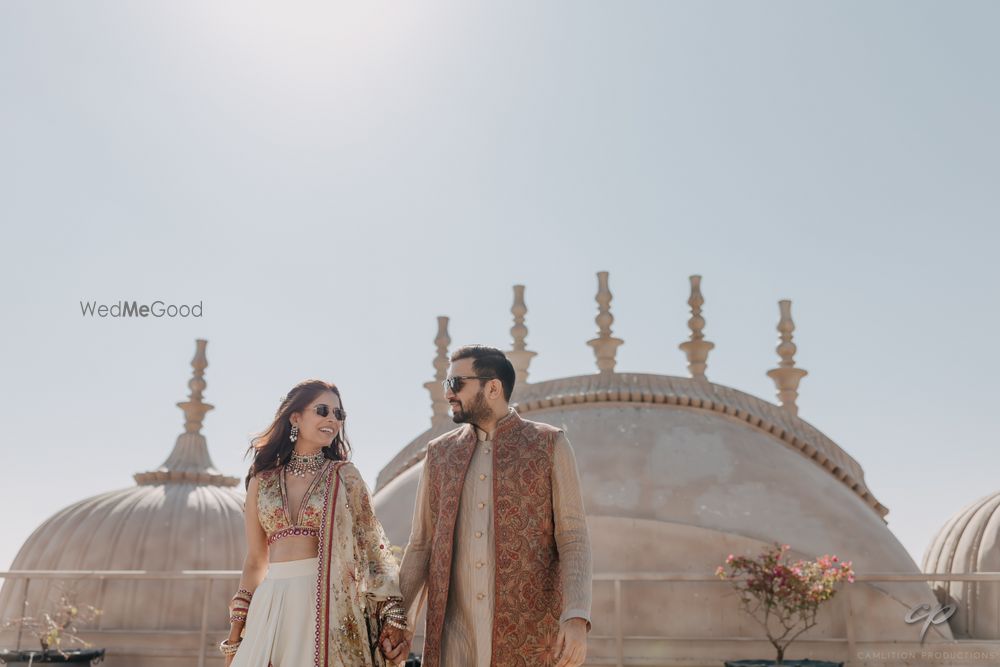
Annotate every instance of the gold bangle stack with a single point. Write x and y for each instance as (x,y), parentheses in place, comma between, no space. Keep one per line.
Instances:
(393,614)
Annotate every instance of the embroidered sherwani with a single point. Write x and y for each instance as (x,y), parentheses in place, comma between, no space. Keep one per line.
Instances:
(499,546)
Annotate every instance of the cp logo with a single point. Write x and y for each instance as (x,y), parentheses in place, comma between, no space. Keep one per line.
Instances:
(934,616)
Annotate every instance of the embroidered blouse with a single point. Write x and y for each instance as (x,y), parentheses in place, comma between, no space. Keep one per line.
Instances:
(272,506)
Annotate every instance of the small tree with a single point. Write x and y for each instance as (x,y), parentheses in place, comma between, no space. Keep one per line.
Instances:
(59,625)
(790,593)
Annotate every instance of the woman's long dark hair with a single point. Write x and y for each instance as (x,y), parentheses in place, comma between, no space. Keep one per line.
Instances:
(273,448)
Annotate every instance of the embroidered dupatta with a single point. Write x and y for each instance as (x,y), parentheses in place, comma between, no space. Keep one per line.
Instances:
(357,573)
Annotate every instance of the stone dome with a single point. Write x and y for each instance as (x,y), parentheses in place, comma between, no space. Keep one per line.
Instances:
(678,472)
(969,542)
(184,515)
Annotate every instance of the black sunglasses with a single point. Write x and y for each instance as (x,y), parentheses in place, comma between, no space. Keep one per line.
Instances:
(456,382)
(323,410)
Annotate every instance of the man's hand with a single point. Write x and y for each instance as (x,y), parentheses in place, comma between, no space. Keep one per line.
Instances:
(395,644)
(571,644)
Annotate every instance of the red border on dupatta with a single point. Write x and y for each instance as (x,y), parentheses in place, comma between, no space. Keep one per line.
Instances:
(322,647)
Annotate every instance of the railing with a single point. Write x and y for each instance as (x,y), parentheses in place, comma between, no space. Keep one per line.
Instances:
(209,577)
(616,579)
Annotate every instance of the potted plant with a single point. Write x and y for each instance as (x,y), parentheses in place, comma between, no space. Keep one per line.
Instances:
(783,597)
(54,629)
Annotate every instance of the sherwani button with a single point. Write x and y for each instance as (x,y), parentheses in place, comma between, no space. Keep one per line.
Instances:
(479,533)
(482,477)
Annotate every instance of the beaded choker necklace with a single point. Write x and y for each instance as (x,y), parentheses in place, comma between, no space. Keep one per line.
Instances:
(300,465)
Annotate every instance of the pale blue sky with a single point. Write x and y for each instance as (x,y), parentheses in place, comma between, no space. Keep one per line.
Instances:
(328,179)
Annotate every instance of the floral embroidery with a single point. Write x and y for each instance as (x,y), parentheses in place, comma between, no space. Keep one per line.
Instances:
(272,510)
(545,651)
(354,577)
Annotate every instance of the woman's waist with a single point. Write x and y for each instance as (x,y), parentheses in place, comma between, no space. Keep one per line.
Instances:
(293,568)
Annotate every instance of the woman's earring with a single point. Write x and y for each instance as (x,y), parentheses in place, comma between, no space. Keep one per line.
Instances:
(294,435)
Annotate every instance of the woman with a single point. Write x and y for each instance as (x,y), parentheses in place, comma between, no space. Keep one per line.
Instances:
(320,584)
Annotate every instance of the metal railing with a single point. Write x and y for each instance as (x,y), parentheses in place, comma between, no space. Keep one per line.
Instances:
(616,579)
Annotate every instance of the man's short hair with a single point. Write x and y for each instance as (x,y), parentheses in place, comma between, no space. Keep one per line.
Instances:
(489,362)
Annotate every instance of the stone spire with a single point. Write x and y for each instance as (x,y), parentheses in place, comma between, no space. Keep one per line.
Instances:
(439,405)
(696,348)
(520,356)
(786,376)
(189,462)
(605,346)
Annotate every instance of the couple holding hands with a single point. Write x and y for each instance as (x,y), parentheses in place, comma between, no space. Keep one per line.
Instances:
(498,551)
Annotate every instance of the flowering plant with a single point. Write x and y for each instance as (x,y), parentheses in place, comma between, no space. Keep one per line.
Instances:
(51,628)
(770,587)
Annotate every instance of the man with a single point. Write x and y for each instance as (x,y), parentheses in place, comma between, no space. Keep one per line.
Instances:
(499,548)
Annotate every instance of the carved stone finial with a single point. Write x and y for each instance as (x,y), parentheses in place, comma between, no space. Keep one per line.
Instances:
(439,404)
(520,356)
(696,348)
(194,408)
(605,346)
(189,462)
(786,376)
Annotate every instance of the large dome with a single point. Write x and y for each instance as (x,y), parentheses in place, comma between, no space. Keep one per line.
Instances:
(969,542)
(184,515)
(676,473)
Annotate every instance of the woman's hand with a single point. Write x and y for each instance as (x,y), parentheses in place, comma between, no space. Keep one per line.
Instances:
(229,659)
(394,643)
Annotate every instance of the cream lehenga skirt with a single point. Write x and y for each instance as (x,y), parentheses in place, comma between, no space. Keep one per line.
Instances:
(281,621)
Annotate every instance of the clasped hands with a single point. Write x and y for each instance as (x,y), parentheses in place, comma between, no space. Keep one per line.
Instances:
(570,648)
(395,644)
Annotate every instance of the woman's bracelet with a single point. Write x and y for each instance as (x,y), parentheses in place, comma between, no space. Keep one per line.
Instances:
(391,622)
(393,614)
(229,648)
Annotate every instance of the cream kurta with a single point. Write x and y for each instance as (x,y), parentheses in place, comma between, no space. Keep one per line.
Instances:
(468,625)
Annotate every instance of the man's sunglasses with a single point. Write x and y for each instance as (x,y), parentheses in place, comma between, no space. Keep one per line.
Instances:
(323,410)
(456,382)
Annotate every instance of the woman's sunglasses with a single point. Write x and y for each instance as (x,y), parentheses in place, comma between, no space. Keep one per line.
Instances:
(323,410)
(456,382)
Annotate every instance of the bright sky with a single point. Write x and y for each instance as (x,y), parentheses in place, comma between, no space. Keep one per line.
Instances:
(326,179)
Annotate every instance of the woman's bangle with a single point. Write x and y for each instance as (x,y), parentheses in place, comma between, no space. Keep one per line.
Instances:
(391,622)
(229,648)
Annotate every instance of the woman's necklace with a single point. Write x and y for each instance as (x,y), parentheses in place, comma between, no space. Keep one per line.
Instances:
(300,465)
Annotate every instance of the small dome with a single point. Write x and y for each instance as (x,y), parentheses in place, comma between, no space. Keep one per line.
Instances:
(185,515)
(969,542)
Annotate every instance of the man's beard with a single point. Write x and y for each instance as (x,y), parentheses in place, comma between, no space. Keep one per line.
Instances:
(478,411)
